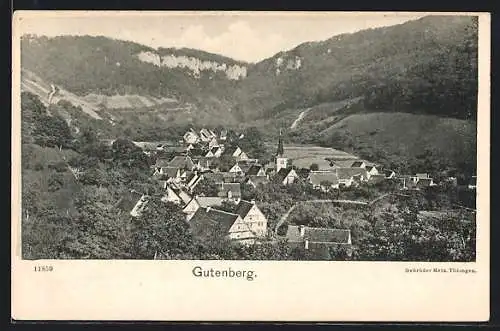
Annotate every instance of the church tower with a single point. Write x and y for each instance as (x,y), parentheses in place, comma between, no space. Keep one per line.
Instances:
(281,161)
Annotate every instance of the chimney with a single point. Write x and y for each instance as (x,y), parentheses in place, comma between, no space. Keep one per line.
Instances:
(306,244)
(302,230)
(252,201)
(208,208)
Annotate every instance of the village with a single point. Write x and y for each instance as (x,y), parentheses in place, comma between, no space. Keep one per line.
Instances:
(196,159)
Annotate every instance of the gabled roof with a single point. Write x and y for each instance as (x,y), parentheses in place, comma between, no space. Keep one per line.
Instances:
(230,150)
(185,197)
(258,180)
(182,162)
(253,170)
(422,175)
(209,201)
(388,172)
(214,149)
(347,173)
(318,235)
(206,219)
(244,166)
(317,177)
(224,188)
(282,174)
(206,162)
(370,167)
(243,208)
(357,164)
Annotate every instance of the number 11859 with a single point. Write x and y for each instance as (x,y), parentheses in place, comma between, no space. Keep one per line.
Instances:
(43,268)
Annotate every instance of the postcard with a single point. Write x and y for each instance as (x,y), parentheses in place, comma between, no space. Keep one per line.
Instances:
(250,166)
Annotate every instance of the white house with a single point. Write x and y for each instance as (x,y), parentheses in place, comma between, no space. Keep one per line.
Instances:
(209,221)
(171,196)
(201,202)
(286,176)
(236,169)
(253,223)
(371,170)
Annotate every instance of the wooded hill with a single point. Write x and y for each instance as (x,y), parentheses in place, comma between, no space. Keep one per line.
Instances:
(426,66)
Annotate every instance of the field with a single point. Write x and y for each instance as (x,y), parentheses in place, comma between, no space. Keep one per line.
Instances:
(305,155)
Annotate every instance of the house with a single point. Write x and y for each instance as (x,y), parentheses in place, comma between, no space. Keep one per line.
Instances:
(192,179)
(206,135)
(182,162)
(201,202)
(347,176)
(324,180)
(191,137)
(371,170)
(240,168)
(133,203)
(171,173)
(221,177)
(421,176)
(286,176)
(215,151)
(206,164)
(253,221)
(207,223)
(419,181)
(257,180)
(213,143)
(255,170)
(230,191)
(236,169)
(236,153)
(389,173)
(358,164)
(171,196)
(318,240)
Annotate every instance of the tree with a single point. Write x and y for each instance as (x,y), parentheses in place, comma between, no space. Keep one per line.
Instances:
(161,230)
(206,187)
(52,131)
(314,167)
(97,233)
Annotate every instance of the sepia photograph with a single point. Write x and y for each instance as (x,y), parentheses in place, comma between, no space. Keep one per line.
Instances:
(250,137)
(177,140)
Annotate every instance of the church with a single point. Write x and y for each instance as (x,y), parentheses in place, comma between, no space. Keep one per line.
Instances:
(284,173)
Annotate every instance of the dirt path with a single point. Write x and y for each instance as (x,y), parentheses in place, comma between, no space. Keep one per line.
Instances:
(299,118)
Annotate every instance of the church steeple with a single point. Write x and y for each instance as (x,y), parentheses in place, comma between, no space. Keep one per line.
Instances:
(281,160)
(280,150)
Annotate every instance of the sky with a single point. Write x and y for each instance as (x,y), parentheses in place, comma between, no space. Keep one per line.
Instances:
(249,37)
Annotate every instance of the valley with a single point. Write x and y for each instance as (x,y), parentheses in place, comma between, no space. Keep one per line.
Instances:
(365,139)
